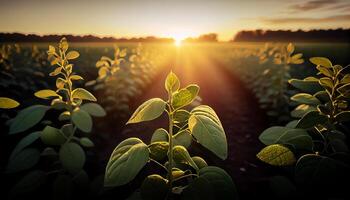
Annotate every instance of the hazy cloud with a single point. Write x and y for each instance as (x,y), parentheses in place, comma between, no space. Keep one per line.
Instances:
(312,5)
(296,20)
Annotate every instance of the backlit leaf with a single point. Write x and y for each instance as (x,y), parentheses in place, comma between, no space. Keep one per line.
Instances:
(72,55)
(46,94)
(147,111)
(126,161)
(325,62)
(7,103)
(277,155)
(172,83)
(81,93)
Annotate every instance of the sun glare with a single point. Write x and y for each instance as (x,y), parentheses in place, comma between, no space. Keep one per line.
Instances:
(177,41)
(179,38)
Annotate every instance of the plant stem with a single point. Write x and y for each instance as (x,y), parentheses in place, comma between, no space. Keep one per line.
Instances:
(188,175)
(170,150)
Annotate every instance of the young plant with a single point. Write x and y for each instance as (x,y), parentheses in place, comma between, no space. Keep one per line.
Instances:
(317,141)
(186,176)
(64,143)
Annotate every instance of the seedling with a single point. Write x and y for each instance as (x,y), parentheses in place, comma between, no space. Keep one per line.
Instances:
(69,138)
(189,177)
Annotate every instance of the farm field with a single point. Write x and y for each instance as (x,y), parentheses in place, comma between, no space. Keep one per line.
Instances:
(251,86)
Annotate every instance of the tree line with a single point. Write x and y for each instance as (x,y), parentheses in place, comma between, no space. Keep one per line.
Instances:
(330,35)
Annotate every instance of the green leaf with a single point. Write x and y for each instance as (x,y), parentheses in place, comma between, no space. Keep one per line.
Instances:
(343,116)
(200,162)
(172,83)
(81,93)
(181,155)
(270,135)
(160,135)
(52,136)
(82,120)
(94,109)
(181,116)
(183,138)
(292,124)
(86,142)
(345,90)
(7,103)
(46,94)
(154,187)
(149,110)
(27,118)
(24,142)
(213,183)
(25,159)
(29,184)
(72,157)
(206,127)
(72,55)
(312,119)
(298,138)
(185,96)
(126,161)
(301,110)
(64,116)
(277,155)
(158,150)
(325,62)
(306,85)
(320,172)
(305,98)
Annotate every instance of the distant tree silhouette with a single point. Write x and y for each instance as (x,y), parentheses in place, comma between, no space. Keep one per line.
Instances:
(330,35)
(19,37)
(210,37)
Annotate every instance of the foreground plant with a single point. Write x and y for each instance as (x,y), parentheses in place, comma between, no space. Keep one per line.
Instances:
(64,140)
(317,141)
(186,176)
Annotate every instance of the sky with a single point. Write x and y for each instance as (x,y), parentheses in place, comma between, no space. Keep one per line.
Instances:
(169,18)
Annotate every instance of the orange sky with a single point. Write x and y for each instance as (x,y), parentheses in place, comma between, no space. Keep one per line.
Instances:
(169,18)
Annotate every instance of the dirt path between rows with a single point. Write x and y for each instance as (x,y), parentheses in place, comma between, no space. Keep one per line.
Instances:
(237,108)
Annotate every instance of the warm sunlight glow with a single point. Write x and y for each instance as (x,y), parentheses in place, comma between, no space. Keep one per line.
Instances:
(177,41)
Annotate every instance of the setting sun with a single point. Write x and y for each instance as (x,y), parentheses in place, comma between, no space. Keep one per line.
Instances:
(177,41)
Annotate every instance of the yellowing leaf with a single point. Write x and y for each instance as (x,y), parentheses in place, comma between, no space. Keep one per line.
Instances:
(290,48)
(325,62)
(81,93)
(76,78)
(7,103)
(60,82)
(277,155)
(46,94)
(63,45)
(72,55)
